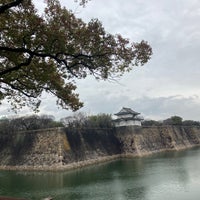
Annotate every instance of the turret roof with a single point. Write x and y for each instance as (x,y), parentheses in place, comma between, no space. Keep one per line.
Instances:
(124,111)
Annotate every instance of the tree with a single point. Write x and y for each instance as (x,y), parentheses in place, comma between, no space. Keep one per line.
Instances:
(100,121)
(4,126)
(49,52)
(24,123)
(151,123)
(83,121)
(174,120)
(191,123)
(77,120)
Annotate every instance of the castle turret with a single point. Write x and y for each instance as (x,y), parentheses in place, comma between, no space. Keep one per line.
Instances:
(127,117)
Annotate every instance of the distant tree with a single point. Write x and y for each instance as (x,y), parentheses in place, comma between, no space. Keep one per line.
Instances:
(191,123)
(4,126)
(81,120)
(48,52)
(174,120)
(77,120)
(100,121)
(25,123)
(151,123)
(33,122)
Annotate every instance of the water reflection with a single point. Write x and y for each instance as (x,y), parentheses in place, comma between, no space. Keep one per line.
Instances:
(163,176)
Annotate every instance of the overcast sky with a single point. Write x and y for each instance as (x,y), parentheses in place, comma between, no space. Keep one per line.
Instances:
(169,84)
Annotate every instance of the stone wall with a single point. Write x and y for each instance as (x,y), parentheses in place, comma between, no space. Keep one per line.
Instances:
(64,149)
(138,141)
(87,144)
(32,148)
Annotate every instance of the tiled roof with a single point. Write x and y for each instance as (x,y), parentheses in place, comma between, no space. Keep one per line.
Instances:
(124,111)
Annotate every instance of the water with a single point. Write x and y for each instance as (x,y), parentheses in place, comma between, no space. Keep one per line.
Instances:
(174,175)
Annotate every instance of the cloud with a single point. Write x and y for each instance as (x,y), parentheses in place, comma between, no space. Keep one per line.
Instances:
(165,107)
(157,108)
(167,85)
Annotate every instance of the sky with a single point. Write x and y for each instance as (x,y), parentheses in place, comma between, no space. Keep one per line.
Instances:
(168,85)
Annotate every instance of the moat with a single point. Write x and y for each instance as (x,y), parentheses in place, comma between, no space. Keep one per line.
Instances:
(172,175)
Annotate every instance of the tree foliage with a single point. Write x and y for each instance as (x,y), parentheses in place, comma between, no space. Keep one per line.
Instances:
(49,52)
(191,123)
(82,121)
(100,121)
(174,120)
(24,123)
(151,123)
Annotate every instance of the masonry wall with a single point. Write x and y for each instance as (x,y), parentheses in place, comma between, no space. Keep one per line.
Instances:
(33,148)
(87,144)
(62,149)
(139,141)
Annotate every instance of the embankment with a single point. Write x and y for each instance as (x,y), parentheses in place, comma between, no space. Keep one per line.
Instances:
(60,149)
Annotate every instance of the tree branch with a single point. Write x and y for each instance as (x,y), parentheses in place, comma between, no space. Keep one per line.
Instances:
(77,57)
(44,55)
(17,89)
(17,67)
(7,6)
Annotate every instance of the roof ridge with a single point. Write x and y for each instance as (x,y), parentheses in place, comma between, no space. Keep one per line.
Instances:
(128,110)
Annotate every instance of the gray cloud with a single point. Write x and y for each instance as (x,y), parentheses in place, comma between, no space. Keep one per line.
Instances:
(157,108)
(169,83)
(165,107)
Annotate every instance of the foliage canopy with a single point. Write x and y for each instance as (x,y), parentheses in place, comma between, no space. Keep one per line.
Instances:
(82,121)
(173,120)
(25,123)
(49,52)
